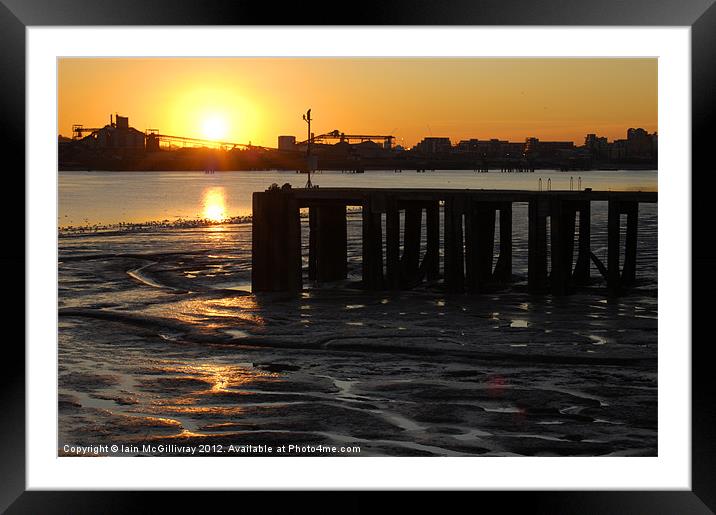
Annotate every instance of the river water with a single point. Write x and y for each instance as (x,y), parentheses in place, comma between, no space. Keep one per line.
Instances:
(162,342)
(109,198)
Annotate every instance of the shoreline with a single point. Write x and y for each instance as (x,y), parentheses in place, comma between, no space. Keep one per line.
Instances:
(135,227)
(151,225)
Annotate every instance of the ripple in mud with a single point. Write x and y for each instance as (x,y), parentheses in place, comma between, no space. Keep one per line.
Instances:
(87,382)
(277,367)
(95,424)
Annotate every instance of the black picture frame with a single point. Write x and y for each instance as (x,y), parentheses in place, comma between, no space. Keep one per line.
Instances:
(700,15)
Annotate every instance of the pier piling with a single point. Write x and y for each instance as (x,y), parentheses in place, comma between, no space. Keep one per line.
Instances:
(410,262)
(328,249)
(372,245)
(580,276)
(537,273)
(629,270)
(618,279)
(276,243)
(479,244)
(503,268)
(562,223)
(468,226)
(431,262)
(454,270)
(392,244)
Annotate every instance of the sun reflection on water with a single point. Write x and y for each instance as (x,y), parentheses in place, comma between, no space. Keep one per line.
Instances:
(214,202)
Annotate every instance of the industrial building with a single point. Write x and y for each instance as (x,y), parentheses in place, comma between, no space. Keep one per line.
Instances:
(287,142)
(116,135)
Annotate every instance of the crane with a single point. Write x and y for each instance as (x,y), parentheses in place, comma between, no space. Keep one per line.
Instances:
(79,129)
(341,136)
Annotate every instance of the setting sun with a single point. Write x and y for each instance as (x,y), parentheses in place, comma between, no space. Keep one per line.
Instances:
(214,127)
(214,202)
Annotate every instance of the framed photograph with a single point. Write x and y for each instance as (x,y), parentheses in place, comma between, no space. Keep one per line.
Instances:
(441,248)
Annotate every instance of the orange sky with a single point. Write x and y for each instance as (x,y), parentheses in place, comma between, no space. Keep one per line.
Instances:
(257,99)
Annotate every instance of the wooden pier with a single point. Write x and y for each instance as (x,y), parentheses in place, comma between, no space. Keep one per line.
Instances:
(468,237)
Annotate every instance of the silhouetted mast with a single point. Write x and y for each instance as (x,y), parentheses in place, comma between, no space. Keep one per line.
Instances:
(307,119)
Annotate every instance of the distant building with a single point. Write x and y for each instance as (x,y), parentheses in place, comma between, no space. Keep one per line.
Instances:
(512,149)
(618,150)
(493,148)
(369,149)
(468,145)
(597,147)
(287,142)
(640,144)
(433,146)
(152,140)
(534,148)
(117,135)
